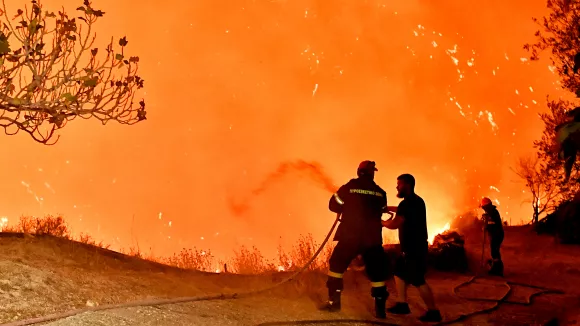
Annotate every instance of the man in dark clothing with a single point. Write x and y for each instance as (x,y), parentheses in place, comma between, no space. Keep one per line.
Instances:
(411,266)
(494,228)
(361,202)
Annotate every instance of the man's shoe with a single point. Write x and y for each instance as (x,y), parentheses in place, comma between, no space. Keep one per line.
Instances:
(495,273)
(400,308)
(496,268)
(431,316)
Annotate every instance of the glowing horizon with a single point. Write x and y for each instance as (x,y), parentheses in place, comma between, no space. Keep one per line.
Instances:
(444,92)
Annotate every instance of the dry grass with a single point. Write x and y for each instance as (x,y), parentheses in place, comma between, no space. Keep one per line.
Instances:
(302,252)
(200,260)
(48,225)
(245,260)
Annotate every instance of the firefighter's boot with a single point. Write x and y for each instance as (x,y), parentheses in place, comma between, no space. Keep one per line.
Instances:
(335,286)
(381,295)
(380,308)
(496,268)
(333,304)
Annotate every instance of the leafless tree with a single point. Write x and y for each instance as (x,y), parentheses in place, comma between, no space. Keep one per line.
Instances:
(544,190)
(51,73)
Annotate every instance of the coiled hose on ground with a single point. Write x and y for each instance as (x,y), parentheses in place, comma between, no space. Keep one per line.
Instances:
(472,280)
(226,296)
(457,319)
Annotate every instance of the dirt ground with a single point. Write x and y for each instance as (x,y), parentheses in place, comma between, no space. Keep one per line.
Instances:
(39,276)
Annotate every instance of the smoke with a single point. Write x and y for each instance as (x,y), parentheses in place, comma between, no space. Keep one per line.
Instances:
(438,90)
(311,170)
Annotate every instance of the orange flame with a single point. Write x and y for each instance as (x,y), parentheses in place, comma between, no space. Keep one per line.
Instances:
(432,235)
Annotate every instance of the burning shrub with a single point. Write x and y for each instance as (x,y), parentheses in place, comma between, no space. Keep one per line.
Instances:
(448,252)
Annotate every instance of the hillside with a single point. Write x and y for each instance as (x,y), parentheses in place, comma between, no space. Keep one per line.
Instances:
(43,275)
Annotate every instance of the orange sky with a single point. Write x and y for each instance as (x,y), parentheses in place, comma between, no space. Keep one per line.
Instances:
(234,88)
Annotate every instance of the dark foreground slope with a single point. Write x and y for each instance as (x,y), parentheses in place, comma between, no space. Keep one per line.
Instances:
(39,276)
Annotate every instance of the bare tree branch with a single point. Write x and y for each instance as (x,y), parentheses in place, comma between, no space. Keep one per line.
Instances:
(50,73)
(544,189)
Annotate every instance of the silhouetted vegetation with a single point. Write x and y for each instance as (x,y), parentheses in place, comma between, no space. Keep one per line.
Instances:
(47,225)
(560,36)
(563,223)
(51,72)
(542,187)
(548,177)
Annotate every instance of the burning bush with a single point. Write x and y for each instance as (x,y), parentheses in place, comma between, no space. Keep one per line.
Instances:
(448,252)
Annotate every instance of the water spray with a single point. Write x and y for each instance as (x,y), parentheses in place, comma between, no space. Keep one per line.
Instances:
(312,170)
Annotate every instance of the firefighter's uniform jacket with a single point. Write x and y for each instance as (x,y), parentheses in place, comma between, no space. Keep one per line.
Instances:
(361,202)
(492,220)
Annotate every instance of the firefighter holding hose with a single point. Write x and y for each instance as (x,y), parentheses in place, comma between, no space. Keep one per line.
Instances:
(361,202)
(494,228)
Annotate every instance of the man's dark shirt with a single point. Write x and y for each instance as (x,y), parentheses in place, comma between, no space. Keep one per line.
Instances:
(492,220)
(413,232)
(361,202)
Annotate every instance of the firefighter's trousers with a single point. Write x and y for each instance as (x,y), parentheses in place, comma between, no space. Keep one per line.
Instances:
(376,266)
(495,241)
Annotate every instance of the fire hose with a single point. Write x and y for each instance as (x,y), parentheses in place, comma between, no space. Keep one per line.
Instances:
(472,280)
(227,296)
(497,302)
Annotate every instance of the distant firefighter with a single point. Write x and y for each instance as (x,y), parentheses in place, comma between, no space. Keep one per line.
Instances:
(361,202)
(494,228)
